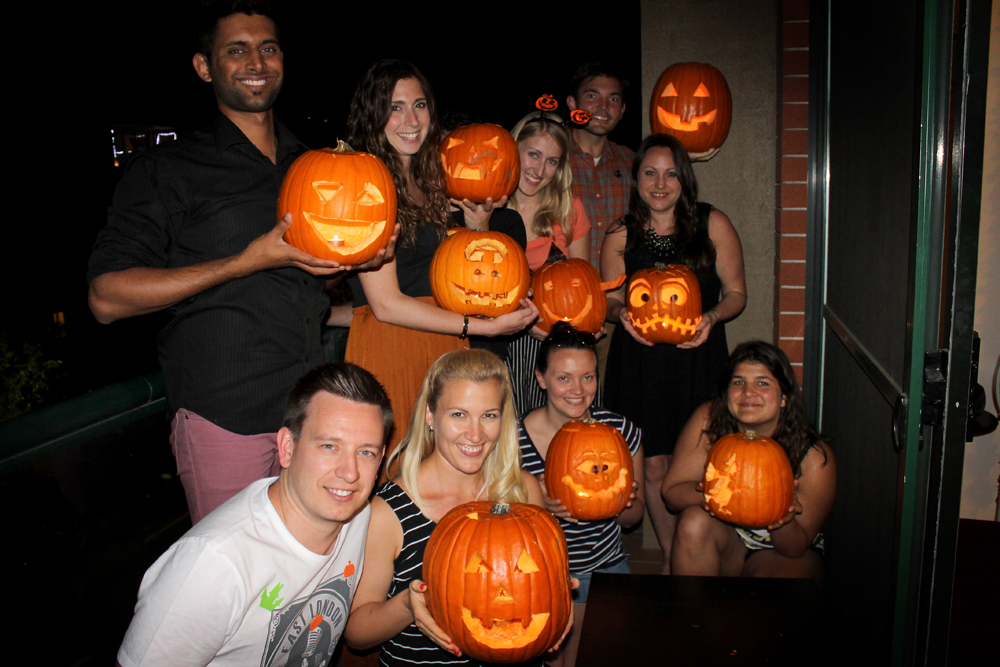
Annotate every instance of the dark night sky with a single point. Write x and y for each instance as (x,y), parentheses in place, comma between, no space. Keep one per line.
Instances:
(479,60)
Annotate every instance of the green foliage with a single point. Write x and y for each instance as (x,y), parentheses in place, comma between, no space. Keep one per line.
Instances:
(26,374)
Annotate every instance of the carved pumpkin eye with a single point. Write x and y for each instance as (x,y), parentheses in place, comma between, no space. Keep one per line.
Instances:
(477,565)
(701,91)
(673,293)
(369,196)
(452,142)
(588,466)
(525,564)
(669,91)
(327,190)
(548,285)
(639,294)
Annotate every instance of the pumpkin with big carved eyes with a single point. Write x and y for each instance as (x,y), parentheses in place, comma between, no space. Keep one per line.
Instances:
(692,102)
(588,467)
(748,480)
(343,204)
(497,580)
(480,162)
(571,291)
(665,303)
(479,273)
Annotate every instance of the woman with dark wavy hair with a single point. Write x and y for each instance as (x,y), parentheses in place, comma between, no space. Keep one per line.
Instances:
(758,392)
(397,331)
(659,386)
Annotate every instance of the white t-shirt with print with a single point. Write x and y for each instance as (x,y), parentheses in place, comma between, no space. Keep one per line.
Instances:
(237,589)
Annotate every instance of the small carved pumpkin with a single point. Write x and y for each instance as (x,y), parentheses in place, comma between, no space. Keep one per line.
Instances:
(547,103)
(343,204)
(748,480)
(692,102)
(589,468)
(480,162)
(665,303)
(497,580)
(479,273)
(571,291)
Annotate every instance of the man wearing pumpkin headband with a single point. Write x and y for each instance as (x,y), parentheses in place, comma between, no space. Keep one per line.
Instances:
(192,229)
(269,577)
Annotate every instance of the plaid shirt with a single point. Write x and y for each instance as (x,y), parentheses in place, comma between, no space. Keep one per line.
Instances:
(604,189)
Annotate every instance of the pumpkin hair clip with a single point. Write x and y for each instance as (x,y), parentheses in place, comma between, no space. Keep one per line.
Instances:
(548,103)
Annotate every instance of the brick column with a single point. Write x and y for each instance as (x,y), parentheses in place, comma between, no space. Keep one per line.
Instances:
(792,166)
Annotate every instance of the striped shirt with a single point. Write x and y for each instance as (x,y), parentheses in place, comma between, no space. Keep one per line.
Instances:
(593,545)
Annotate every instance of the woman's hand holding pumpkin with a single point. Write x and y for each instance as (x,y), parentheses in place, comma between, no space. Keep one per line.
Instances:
(574,584)
(382,256)
(477,216)
(513,322)
(425,622)
(703,328)
(554,505)
(793,511)
(626,321)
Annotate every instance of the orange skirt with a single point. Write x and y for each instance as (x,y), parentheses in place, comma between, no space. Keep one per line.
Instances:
(399,358)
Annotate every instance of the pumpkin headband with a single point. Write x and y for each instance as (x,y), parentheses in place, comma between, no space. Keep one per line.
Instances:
(548,103)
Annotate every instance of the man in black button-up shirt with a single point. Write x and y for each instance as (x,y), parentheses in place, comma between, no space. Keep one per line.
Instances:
(192,229)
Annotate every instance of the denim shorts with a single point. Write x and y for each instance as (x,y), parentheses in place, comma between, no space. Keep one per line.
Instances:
(580,594)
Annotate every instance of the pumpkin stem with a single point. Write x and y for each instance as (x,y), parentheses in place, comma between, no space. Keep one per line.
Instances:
(589,420)
(661,266)
(343,147)
(750,435)
(500,508)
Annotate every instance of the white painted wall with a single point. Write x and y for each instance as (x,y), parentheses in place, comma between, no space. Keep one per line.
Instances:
(982,455)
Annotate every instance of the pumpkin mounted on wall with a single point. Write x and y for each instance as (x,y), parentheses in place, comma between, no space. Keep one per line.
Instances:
(343,204)
(497,580)
(480,162)
(692,102)
(479,273)
(748,480)
(588,467)
(571,291)
(665,303)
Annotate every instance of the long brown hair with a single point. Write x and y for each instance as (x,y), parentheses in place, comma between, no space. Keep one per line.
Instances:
(366,121)
(793,432)
(690,218)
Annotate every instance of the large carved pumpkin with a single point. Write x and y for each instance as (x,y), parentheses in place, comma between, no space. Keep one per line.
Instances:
(692,102)
(665,303)
(479,273)
(480,162)
(497,580)
(343,204)
(748,480)
(571,291)
(589,468)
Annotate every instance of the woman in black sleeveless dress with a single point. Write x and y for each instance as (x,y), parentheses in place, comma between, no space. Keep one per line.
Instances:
(659,386)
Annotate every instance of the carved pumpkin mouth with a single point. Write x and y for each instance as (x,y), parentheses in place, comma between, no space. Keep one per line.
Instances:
(351,232)
(606,493)
(484,298)
(674,122)
(575,321)
(724,488)
(505,633)
(684,325)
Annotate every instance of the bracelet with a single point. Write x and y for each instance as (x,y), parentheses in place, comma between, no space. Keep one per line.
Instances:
(465,329)
(715,318)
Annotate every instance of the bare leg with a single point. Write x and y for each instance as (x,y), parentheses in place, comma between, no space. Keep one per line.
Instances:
(704,546)
(663,521)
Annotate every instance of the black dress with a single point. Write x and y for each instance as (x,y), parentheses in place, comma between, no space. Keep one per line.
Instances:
(659,387)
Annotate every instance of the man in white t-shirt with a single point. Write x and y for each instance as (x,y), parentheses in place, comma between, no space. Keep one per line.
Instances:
(268,577)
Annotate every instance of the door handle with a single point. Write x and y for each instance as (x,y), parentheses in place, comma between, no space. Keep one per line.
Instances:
(899,412)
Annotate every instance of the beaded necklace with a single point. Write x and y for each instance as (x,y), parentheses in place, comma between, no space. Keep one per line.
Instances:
(663,245)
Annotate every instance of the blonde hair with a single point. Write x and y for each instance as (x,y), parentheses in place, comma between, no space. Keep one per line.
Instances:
(501,471)
(557,201)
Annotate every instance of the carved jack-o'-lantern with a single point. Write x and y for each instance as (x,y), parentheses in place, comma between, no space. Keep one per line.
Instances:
(479,273)
(497,580)
(665,303)
(589,468)
(343,204)
(547,103)
(692,102)
(480,162)
(571,291)
(748,480)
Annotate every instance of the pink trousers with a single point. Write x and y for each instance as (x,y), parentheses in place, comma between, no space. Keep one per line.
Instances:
(215,464)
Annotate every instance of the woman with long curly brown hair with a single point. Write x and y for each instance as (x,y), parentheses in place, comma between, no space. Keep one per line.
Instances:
(758,392)
(397,331)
